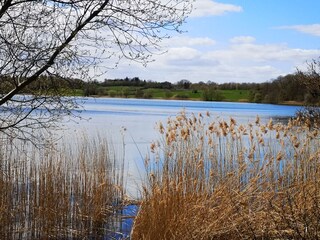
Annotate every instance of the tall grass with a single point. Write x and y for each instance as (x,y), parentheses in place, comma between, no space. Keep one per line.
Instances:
(71,193)
(216,179)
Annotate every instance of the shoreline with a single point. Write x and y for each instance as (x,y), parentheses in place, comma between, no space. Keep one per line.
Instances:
(285,103)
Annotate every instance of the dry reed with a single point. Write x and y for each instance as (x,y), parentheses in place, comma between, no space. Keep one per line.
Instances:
(73,193)
(216,179)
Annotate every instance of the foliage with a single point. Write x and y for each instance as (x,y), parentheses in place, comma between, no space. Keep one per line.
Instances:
(284,89)
(183,84)
(125,92)
(287,89)
(136,82)
(257,97)
(148,94)
(112,93)
(90,89)
(212,94)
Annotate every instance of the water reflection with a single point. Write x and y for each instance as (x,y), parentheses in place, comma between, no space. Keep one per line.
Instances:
(130,123)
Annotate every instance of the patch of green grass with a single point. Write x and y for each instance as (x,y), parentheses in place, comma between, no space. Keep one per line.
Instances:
(186,93)
(156,92)
(235,95)
(140,92)
(228,95)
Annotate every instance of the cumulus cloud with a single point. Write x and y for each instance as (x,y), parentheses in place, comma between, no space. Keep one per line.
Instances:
(242,39)
(242,60)
(312,29)
(182,53)
(179,41)
(263,53)
(212,8)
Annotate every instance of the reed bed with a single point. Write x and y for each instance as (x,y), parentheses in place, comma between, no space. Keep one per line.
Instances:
(216,179)
(71,193)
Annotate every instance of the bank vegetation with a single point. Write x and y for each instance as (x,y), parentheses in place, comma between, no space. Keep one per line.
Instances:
(210,178)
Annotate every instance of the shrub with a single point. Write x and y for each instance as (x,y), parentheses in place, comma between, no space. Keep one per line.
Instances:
(112,93)
(125,92)
(211,94)
(139,93)
(148,94)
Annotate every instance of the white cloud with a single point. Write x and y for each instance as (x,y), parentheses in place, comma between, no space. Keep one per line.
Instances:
(212,8)
(243,60)
(179,41)
(242,39)
(244,49)
(312,29)
(182,53)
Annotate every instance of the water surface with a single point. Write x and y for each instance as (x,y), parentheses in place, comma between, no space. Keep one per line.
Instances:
(131,123)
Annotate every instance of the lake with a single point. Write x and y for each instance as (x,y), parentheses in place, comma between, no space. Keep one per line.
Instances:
(131,123)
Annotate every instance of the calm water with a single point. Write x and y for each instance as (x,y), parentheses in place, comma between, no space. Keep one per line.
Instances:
(132,122)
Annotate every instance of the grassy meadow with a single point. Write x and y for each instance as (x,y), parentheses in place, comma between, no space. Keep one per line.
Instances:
(157,93)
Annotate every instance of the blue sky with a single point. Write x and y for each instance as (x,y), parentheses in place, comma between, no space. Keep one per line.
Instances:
(236,41)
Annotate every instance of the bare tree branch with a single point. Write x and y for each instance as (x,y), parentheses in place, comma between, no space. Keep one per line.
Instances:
(47,41)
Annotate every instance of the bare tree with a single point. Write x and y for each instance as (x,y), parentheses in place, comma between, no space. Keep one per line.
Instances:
(43,43)
(310,78)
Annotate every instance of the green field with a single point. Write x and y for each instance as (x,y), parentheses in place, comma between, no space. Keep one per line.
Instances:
(236,95)
(157,93)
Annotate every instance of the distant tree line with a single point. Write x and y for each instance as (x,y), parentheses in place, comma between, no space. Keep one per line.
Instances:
(136,82)
(291,87)
(302,87)
(46,85)
(282,89)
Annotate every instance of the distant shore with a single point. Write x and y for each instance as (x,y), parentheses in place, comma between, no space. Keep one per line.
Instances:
(288,103)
